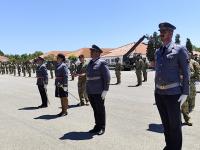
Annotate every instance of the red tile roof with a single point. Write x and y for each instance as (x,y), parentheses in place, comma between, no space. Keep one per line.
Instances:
(3,59)
(120,51)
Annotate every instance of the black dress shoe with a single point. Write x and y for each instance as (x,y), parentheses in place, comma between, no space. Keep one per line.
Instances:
(94,130)
(61,114)
(42,106)
(100,132)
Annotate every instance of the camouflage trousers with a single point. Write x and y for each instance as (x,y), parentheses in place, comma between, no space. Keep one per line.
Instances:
(118,76)
(144,72)
(139,76)
(189,103)
(82,90)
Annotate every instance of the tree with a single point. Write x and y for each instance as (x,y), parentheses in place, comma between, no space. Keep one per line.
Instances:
(72,58)
(153,44)
(177,39)
(189,45)
(50,57)
(1,53)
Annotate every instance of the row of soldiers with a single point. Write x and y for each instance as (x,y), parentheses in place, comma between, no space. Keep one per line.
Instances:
(141,66)
(23,68)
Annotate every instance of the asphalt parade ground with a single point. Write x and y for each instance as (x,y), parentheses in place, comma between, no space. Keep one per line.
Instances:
(132,119)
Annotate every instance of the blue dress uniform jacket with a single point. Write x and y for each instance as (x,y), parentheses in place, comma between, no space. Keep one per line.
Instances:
(169,67)
(61,73)
(98,77)
(42,75)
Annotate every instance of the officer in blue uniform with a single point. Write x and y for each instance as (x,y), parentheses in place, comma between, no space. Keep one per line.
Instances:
(42,81)
(97,85)
(61,83)
(171,85)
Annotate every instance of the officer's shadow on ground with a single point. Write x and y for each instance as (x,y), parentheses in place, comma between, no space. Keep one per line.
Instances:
(133,85)
(156,128)
(47,117)
(77,136)
(28,108)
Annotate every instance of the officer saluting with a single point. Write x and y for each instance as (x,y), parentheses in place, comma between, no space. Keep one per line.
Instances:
(97,85)
(170,89)
(42,81)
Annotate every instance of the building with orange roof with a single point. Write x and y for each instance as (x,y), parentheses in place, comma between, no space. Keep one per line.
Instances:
(121,51)
(3,59)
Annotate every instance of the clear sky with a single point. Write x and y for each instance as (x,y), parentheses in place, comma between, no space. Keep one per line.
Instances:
(44,25)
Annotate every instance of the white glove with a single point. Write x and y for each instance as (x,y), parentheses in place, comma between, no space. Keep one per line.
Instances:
(45,86)
(65,89)
(182,99)
(103,94)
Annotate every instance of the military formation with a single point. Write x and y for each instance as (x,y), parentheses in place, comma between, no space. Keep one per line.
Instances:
(176,72)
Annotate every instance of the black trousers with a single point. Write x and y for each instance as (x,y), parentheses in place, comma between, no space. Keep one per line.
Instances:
(99,110)
(43,94)
(169,110)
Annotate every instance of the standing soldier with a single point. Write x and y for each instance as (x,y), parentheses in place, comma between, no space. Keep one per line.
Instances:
(19,69)
(138,69)
(14,69)
(81,73)
(72,69)
(188,105)
(170,90)
(28,67)
(42,81)
(61,83)
(118,68)
(6,66)
(144,69)
(24,69)
(97,85)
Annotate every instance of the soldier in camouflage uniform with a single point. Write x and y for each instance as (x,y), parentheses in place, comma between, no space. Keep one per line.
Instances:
(118,68)
(19,69)
(72,69)
(144,69)
(28,68)
(14,69)
(138,70)
(81,73)
(24,69)
(188,105)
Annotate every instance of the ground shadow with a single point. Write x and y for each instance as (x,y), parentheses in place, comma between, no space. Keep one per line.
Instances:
(156,128)
(47,117)
(73,106)
(28,108)
(77,136)
(133,85)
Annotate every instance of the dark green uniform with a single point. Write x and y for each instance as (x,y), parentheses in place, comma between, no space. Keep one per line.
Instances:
(138,70)
(72,69)
(189,104)
(81,72)
(118,68)
(144,69)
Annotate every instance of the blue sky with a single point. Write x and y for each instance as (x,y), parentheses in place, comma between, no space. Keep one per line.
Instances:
(44,25)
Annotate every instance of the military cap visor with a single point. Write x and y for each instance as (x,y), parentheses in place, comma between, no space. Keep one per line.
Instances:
(96,48)
(166,25)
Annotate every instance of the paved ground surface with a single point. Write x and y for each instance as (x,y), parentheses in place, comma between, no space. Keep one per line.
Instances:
(133,122)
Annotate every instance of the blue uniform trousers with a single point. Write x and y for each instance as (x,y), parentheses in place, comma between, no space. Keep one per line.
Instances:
(169,110)
(43,94)
(99,110)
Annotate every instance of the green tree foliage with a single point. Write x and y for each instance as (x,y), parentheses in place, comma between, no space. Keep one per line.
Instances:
(72,58)
(153,44)
(50,57)
(24,57)
(177,39)
(1,53)
(189,45)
